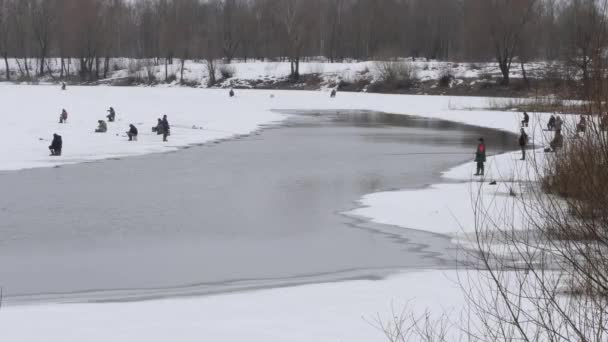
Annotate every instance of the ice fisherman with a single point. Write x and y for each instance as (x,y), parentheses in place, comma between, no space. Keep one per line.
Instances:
(166,128)
(112,115)
(56,145)
(523,142)
(63,117)
(480,157)
(102,127)
(551,123)
(582,124)
(132,133)
(526,120)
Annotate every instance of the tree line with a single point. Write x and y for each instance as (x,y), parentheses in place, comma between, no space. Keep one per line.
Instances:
(94,31)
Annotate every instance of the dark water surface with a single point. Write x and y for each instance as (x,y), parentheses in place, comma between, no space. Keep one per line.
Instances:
(259,211)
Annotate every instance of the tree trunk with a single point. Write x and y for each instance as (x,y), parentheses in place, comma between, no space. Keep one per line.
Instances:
(96,67)
(166,69)
(298,67)
(211,71)
(525,76)
(42,59)
(62,67)
(27,67)
(181,73)
(8,71)
(504,69)
(106,67)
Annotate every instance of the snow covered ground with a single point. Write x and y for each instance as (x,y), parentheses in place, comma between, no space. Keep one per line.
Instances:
(328,312)
(323,312)
(196,72)
(29,124)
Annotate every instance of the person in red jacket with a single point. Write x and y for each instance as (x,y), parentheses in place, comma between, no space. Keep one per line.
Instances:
(480,157)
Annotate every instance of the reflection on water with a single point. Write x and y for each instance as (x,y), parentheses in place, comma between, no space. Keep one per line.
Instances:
(261,208)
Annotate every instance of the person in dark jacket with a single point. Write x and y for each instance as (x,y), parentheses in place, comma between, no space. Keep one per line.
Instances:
(582,125)
(559,123)
(166,128)
(102,127)
(551,123)
(526,120)
(159,127)
(56,145)
(333,93)
(132,133)
(231,93)
(63,117)
(557,142)
(523,142)
(480,157)
(112,115)
(63,86)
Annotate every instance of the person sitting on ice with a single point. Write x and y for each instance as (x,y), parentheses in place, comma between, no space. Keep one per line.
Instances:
(112,115)
(526,120)
(159,127)
(56,145)
(231,93)
(551,123)
(582,125)
(63,117)
(132,133)
(102,127)
(333,93)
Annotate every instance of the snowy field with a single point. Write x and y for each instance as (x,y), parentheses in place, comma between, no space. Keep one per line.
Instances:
(324,312)
(197,116)
(329,312)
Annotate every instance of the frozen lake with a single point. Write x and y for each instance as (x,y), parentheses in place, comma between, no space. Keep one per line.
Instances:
(259,211)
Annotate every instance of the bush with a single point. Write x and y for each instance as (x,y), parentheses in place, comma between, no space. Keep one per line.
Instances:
(227,71)
(398,75)
(445,77)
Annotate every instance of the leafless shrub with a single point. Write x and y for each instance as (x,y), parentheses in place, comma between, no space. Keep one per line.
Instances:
(227,71)
(396,75)
(445,77)
(406,325)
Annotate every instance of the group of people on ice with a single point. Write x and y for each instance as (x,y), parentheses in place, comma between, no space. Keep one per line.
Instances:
(555,124)
(162,128)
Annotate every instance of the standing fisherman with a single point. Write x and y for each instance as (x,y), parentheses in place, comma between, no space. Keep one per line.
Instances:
(526,120)
(480,157)
(166,128)
(523,141)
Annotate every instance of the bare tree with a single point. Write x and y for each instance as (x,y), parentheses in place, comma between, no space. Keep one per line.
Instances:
(504,22)
(43,18)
